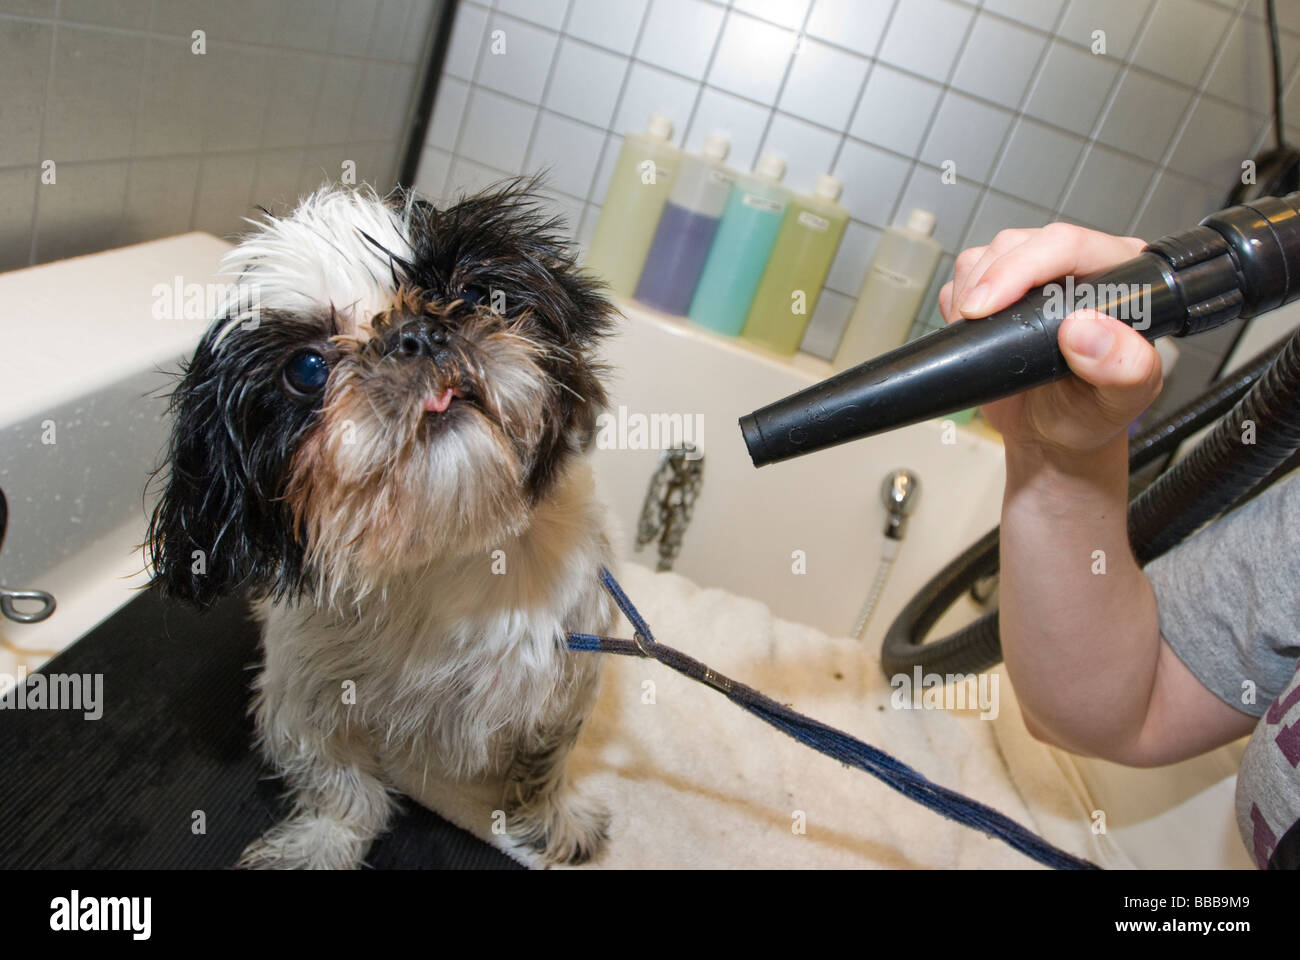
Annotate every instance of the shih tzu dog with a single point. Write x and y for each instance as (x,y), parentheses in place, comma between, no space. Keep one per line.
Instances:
(386,451)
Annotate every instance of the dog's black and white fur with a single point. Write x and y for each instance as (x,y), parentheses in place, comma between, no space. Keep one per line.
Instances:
(386,452)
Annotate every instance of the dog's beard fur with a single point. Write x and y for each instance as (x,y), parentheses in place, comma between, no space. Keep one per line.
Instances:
(364,515)
(381,486)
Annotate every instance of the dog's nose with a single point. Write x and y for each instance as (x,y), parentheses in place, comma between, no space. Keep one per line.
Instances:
(420,338)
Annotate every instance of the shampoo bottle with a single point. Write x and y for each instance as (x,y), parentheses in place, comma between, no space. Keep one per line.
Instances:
(639,187)
(750,223)
(686,229)
(801,259)
(896,284)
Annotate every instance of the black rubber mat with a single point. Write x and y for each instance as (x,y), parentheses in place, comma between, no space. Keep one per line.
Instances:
(172,750)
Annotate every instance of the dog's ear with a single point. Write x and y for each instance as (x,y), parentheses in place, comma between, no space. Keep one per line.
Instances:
(217,527)
(195,544)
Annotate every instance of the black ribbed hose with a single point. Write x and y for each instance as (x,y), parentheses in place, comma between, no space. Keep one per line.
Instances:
(1245,446)
(1219,474)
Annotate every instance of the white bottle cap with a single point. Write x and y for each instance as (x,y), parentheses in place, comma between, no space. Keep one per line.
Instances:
(661,128)
(717,146)
(771,166)
(828,187)
(922,221)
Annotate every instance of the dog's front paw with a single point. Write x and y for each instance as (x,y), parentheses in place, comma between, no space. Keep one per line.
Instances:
(568,829)
(305,842)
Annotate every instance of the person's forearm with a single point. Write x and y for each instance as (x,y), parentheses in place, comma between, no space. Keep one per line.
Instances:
(1080,630)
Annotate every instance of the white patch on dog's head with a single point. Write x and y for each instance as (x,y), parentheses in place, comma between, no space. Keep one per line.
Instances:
(319,258)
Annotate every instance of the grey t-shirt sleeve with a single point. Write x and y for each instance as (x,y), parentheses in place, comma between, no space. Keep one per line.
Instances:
(1229,598)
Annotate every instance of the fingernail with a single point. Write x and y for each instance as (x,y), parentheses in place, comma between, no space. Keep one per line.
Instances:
(974,301)
(1091,339)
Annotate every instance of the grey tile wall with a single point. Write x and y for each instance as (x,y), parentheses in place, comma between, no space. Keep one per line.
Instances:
(149,138)
(1143,139)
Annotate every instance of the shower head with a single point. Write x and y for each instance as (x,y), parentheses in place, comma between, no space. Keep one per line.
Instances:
(899,491)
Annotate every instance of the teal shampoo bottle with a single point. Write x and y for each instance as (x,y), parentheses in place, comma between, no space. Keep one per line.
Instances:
(748,231)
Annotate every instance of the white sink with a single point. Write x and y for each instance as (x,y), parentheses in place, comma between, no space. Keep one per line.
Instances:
(90,347)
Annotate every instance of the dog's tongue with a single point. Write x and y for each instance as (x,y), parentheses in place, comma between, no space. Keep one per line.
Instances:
(439,402)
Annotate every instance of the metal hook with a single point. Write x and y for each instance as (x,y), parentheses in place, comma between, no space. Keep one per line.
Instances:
(7,607)
(7,596)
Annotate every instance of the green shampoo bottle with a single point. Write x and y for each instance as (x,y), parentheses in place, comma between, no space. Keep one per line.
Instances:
(809,238)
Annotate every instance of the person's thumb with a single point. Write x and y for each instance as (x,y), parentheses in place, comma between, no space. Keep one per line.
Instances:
(1118,362)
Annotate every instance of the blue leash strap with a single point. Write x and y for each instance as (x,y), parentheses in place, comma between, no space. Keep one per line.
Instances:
(834,743)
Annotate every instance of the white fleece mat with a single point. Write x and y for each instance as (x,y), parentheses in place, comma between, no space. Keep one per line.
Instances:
(693,780)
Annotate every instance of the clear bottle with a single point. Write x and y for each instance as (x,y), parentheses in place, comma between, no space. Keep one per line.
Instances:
(896,284)
(797,269)
(750,223)
(642,179)
(687,227)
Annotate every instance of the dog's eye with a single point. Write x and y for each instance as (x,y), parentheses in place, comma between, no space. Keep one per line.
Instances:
(306,372)
(473,294)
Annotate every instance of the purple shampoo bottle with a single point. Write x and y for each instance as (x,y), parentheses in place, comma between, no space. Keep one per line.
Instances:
(686,229)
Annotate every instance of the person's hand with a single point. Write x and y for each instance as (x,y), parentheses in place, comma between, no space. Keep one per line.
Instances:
(1117,372)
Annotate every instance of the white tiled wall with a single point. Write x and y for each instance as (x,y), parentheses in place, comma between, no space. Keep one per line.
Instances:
(1143,139)
(148,137)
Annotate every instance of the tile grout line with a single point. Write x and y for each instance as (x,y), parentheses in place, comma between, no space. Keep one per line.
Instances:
(1163,165)
(1236,16)
(604,131)
(546,86)
(1125,65)
(34,246)
(361,83)
(1064,190)
(128,165)
(703,81)
(915,163)
(1149,194)
(469,96)
(412,94)
(944,89)
(872,62)
(159,35)
(428,130)
(1090,139)
(135,124)
(970,4)
(993,14)
(198,177)
(845,135)
(1017,114)
(618,102)
(254,201)
(1083,139)
(198,153)
(198,180)
(799,37)
(320,94)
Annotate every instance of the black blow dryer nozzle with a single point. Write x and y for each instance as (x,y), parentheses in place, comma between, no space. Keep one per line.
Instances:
(959,366)
(1239,262)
